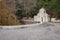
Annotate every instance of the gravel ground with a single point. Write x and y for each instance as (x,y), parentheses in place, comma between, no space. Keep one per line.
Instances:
(45,31)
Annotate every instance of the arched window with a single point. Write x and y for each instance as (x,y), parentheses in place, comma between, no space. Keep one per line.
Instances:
(44,11)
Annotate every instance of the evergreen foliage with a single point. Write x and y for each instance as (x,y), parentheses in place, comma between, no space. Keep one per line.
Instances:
(19,12)
(52,6)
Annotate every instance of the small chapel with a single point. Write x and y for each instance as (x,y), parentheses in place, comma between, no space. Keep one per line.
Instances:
(42,16)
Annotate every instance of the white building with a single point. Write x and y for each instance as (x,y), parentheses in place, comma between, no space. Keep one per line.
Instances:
(42,16)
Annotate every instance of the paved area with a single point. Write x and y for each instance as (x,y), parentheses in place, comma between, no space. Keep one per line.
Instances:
(45,31)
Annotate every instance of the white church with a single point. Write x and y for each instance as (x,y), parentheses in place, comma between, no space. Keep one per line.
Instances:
(42,16)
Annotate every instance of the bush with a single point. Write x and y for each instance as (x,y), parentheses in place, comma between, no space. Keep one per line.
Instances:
(7,17)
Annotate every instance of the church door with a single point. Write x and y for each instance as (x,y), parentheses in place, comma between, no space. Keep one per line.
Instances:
(41,19)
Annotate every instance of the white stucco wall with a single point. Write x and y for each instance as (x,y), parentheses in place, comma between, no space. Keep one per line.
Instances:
(42,16)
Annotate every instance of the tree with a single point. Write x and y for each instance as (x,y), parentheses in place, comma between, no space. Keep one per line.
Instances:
(57,8)
(6,17)
(47,3)
(34,12)
(52,6)
(28,5)
(19,12)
